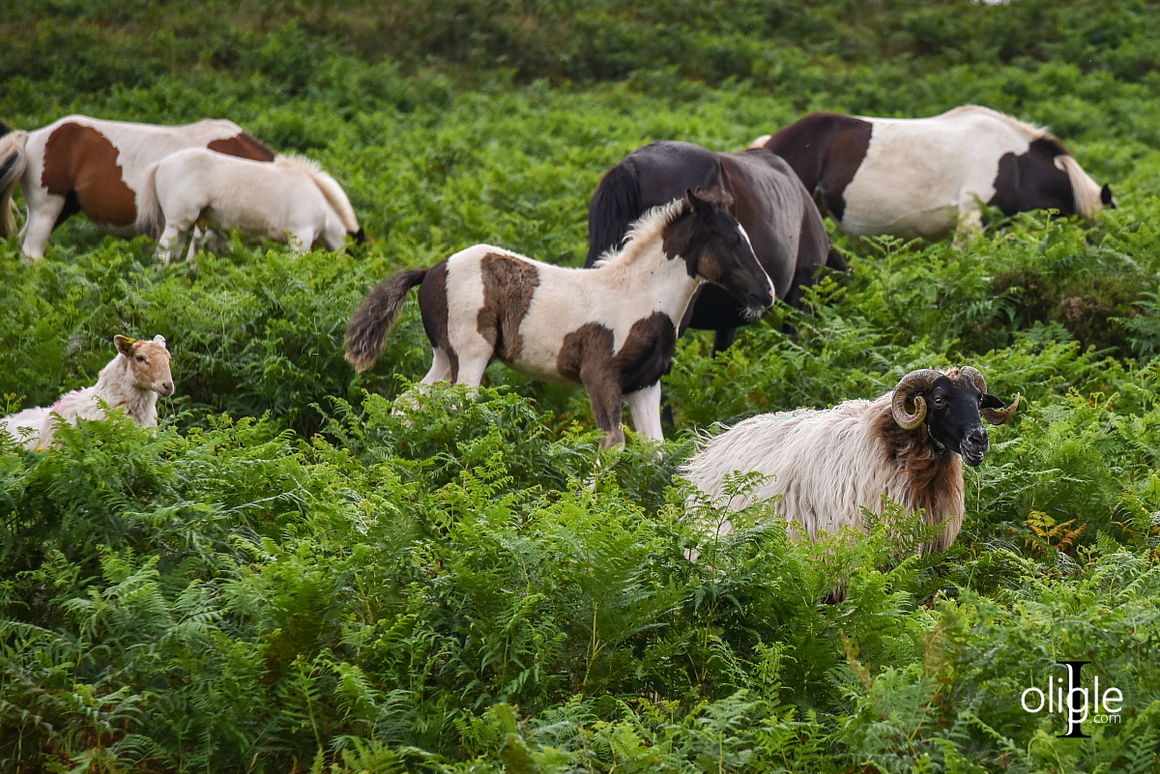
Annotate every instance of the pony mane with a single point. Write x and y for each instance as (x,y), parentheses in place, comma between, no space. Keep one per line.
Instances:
(329,187)
(642,232)
(1085,190)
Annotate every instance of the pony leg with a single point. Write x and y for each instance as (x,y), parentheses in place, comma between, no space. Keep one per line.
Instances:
(167,243)
(645,406)
(301,241)
(604,395)
(42,215)
(723,339)
(440,368)
(440,371)
(969,225)
(471,370)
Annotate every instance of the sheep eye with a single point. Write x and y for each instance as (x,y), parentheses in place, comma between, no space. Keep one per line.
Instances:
(140,358)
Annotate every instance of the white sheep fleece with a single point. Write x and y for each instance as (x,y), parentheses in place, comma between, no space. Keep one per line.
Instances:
(825,466)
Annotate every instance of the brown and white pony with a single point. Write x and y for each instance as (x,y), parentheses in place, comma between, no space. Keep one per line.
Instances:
(94,166)
(289,200)
(926,177)
(611,328)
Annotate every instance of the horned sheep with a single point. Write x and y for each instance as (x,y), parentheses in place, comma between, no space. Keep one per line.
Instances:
(821,468)
(131,381)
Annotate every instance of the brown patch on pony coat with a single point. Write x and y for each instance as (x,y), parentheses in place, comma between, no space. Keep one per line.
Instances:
(508,286)
(243,146)
(586,356)
(825,149)
(80,160)
(433,306)
(934,477)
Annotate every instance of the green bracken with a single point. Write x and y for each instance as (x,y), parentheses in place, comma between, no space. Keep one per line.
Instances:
(291,576)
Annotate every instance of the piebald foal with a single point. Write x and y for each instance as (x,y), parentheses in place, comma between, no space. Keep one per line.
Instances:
(611,328)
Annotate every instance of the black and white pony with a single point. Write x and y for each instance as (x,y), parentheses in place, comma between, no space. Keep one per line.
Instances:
(611,328)
(777,212)
(926,177)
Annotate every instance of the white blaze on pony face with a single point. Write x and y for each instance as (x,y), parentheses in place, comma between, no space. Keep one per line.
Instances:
(949,160)
(753,313)
(148,363)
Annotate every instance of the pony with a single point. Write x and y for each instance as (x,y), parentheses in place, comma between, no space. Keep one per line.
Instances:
(131,381)
(289,200)
(926,177)
(611,329)
(782,221)
(94,166)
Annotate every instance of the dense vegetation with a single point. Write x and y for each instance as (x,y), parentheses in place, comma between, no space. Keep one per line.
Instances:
(290,577)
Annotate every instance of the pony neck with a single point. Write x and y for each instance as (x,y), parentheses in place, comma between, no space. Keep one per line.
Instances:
(642,267)
(115,386)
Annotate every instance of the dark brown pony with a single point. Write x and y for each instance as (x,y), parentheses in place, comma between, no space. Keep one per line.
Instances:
(777,212)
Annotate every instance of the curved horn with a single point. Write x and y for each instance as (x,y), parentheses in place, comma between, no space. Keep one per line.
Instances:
(975,376)
(994,416)
(915,381)
(999,416)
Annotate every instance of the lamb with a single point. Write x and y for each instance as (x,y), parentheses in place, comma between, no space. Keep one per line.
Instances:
(131,381)
(825,467)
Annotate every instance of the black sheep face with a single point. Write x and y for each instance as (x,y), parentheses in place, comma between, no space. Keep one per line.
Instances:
(953,418)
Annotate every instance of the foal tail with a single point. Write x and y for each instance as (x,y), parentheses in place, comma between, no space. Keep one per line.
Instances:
(13,161)
(614,206)
(376,315)
(150,217)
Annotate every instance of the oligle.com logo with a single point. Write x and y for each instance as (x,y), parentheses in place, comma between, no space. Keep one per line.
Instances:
(1080,704)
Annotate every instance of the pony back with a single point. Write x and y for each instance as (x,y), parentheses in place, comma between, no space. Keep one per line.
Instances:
(327,185)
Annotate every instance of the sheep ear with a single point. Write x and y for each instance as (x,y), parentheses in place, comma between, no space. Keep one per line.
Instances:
(124,344)
(159,339)
(990,401)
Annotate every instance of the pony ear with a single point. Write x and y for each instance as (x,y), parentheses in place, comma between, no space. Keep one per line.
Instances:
(124,344)
(700,203)
(159,339)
